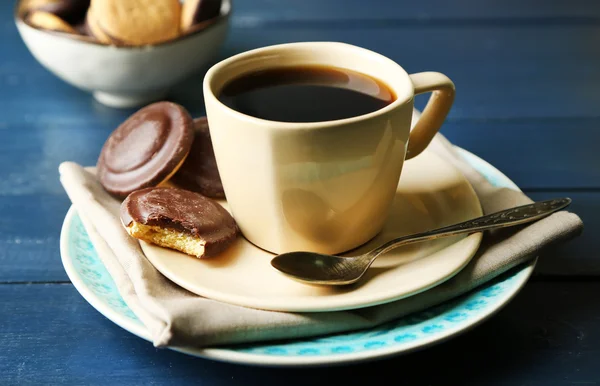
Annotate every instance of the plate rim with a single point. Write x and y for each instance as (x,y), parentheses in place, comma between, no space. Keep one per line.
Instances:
(471,242)
(232,356)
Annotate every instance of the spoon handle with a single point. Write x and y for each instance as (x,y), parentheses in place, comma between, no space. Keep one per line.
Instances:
(509,217)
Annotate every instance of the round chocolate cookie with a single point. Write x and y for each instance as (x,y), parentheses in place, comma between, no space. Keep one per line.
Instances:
(179,219)
(199,172)
(146,149)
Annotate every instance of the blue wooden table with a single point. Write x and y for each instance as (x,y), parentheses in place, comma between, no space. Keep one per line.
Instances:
(527,76)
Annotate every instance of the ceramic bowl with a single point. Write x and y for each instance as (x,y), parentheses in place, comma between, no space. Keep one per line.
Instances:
(126,76)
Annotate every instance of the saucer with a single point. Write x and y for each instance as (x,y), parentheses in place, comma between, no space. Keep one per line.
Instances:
(416,331)
(432,193)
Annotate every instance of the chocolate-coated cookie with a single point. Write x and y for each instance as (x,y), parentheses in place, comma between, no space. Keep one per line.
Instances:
(196,11)
(199,172)
(180,220)
(71,11)
(146,149)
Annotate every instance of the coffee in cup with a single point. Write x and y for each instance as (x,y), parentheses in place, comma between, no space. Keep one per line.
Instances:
(288,94)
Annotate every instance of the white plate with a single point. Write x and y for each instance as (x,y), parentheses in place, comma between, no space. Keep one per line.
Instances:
(432,193)
(91,279)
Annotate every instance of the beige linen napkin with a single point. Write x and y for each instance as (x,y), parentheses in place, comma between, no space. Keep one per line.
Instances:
(178,318)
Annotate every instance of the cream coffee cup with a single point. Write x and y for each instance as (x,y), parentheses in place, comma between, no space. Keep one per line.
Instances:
(319,186)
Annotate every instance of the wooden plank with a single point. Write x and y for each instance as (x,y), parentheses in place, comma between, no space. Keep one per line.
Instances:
(37,131)
(252,12)
(548,335)
(536,154)
(29,158)
(30,229)
(497,69)
(257,11)
(29,238)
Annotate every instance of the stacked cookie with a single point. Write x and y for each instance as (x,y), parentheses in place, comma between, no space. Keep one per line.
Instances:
(55,15)
(146,159)
(121,22)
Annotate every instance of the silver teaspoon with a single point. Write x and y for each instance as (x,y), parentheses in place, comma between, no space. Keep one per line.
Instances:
(316,268)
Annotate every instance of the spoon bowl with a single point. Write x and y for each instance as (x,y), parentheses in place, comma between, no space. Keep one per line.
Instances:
(321,269)
(317,268)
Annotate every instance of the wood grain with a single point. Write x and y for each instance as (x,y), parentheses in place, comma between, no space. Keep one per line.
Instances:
(501,72)
(548,154)
(29,250)
(558,154)
(251,12)
(548,335)
(29,238)
(526,74)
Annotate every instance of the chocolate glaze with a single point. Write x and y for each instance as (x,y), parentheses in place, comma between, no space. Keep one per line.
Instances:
(199,172)
(183,211)
(145,149)
(207,9)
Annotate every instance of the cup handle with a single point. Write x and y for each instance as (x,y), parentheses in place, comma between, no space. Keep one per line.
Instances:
(435,112)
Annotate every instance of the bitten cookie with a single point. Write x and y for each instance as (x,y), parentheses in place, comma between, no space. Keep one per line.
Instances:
(179,219)
(48,21)
(197,11)
(137,22)
(199,172)
(146,149)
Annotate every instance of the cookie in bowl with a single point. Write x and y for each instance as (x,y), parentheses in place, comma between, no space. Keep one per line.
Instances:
(195,13)
(135,22)
(70,11)
(123,64)
(50,22)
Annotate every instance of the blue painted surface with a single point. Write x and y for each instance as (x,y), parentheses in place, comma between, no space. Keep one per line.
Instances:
(527,76)
(547,336)
(410,12)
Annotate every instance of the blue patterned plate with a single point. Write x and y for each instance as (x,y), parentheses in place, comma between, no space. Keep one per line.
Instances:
(93,281)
